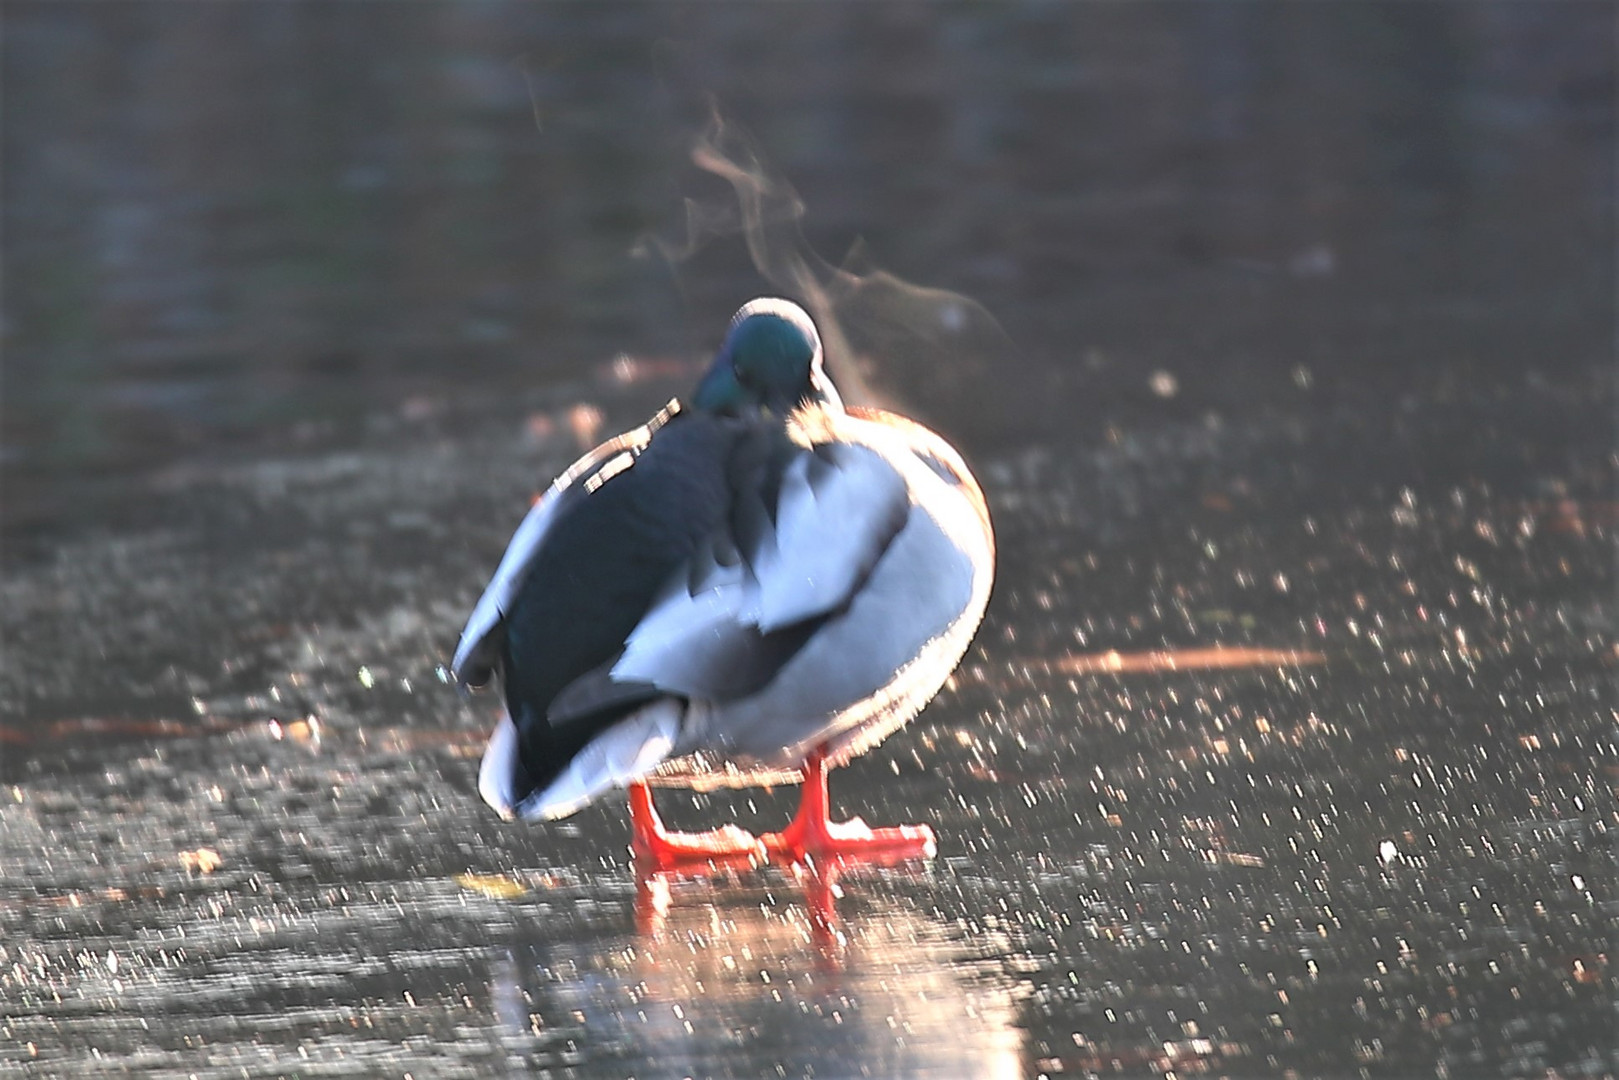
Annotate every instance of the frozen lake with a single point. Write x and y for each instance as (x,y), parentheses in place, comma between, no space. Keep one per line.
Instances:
(1288,747)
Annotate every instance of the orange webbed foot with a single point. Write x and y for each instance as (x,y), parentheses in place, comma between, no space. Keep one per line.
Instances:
(658,848)
(812,835)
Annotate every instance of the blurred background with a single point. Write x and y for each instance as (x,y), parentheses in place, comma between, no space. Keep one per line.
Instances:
(231,225)
(1269,327)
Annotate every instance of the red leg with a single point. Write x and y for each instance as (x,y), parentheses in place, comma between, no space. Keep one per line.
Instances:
(655,845)
(812,833)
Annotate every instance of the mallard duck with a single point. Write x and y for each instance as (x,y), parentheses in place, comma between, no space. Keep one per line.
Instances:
(755,586)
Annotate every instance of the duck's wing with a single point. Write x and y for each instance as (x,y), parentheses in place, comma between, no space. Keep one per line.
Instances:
(870,665)
(806,529)
(478,653)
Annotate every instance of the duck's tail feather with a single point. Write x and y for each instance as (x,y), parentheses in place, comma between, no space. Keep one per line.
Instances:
(624,752)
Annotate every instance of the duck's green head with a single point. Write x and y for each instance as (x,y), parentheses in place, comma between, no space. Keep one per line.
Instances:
(771,359)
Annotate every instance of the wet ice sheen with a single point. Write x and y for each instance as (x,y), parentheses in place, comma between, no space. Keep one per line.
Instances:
(1397,857)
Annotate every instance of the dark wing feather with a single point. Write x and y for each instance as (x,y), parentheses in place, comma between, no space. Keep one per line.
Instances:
(721,631)
(589,584)
(596,693)
(483,639)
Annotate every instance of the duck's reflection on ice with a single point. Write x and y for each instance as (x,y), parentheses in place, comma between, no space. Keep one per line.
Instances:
(786,974)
